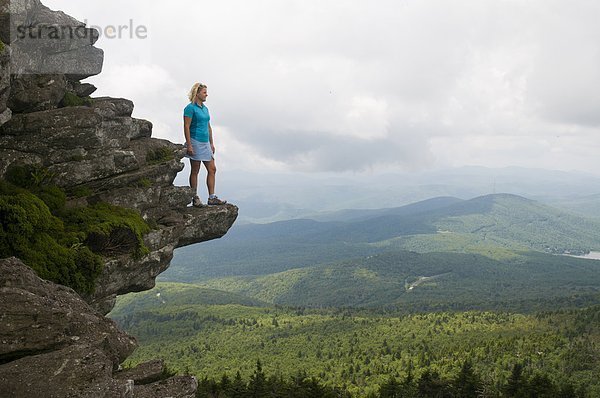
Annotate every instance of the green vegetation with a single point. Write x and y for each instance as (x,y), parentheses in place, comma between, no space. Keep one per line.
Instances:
(108,229)
(1,46)
(360,351)
(465,384)
(409,281)
(260,385)
(71,99)
(159,155)
(81,191)
(61,243)
(142,183)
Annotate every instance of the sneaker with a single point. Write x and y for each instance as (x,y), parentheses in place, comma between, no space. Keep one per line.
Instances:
(216,201)
(196,202)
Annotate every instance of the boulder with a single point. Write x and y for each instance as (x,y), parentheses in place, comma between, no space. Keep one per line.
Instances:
(144,373)
(81,89)
(180,387)
(49,42)
(52,343)
(77,371)
(39,316)
(33,93)
(124,274)
(14,12)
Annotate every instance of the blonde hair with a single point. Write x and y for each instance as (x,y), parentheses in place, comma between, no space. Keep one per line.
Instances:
(194,91)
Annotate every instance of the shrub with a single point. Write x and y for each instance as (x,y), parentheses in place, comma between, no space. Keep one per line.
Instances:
(81,192)
(29,176)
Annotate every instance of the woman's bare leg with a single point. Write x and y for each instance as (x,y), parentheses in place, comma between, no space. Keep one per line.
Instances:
(211,169)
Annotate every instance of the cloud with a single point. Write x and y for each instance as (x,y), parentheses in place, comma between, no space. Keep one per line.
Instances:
(352,86)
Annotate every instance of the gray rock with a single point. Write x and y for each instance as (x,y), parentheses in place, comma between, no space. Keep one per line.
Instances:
(78,371)
(5,116)
(33,93)
(5,21)
(15,12)
(125,274)
(111,107)
(144,373)
(81,89)
(39,316)
(49,42)
(175,387)
(80,144)
(52,343)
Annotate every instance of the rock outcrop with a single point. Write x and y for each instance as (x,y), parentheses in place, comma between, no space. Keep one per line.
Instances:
(53,342)
(97,148)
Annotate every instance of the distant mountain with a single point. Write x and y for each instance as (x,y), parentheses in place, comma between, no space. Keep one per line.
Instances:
(502,216)
(587,206)
(291,262)
(267,197)
(410,209)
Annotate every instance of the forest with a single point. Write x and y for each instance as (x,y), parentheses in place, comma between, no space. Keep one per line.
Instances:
(366,352)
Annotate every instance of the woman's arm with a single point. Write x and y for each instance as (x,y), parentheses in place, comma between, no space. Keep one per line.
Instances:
(210,138)
(187,122)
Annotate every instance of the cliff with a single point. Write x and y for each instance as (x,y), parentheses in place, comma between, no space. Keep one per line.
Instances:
(54,342)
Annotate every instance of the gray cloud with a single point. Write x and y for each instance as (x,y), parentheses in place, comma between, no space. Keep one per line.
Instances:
(349,85)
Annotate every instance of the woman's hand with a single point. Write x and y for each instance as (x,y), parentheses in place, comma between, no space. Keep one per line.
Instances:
(212,147)
(190,150)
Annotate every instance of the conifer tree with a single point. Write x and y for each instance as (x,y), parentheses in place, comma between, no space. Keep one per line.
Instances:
(467,383)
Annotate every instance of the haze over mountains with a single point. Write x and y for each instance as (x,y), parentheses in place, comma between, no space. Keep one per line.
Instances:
(268,197)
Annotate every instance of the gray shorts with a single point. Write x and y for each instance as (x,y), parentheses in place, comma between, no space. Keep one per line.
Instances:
(202,151)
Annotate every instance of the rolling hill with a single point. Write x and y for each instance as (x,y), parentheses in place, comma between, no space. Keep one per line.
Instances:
(409,282)
(494,226)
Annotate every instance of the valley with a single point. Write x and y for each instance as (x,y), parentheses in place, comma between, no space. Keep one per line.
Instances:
(368,296)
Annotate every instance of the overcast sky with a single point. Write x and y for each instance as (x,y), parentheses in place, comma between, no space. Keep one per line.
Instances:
(357,86)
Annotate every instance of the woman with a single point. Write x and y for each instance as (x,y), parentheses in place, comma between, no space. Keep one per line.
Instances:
(199,143)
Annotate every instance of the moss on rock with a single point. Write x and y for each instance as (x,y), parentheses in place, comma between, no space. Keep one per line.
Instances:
(62,244)
(71,99)
(159,155)
(28,230)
